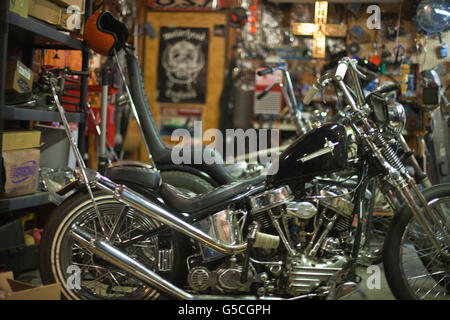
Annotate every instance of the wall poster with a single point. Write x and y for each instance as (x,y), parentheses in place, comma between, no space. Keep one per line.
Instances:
(183,65)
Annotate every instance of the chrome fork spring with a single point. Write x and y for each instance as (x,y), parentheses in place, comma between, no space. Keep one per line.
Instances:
(388,153)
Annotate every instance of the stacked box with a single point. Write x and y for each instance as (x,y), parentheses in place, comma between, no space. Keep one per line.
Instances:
(21,161)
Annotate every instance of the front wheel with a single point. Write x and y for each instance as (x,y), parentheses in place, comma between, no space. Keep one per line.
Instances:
(83,275)
(414,268)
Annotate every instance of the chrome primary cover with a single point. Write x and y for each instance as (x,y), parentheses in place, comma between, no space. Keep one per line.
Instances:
(271,199)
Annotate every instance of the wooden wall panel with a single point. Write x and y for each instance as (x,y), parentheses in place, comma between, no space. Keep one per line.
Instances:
(216,60)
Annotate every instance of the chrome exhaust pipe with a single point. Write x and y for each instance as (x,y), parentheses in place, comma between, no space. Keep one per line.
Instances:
(135,200)
(122,261)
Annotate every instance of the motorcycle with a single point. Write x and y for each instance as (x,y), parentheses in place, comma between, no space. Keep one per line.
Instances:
(286,237)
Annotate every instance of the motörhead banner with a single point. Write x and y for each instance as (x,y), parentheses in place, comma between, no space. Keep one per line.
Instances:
(183,65)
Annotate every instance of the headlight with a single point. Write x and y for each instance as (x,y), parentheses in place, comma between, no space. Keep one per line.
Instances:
(396,120)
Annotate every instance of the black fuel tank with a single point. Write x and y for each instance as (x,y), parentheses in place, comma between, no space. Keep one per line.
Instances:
(321,151)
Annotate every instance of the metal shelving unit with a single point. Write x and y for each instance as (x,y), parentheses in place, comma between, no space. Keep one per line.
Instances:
(39,114)
(26,35)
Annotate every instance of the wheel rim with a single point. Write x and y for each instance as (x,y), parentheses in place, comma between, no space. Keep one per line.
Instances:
(425,272)
(99,279)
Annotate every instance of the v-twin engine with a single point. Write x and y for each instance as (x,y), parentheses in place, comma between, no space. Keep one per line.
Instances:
(305,255)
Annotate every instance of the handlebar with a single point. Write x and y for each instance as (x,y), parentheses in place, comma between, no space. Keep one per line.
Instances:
(388,88)
(265,71)
(76,73)
(311,94)
(67,71)
(366,72)
(287,90)
(266,91)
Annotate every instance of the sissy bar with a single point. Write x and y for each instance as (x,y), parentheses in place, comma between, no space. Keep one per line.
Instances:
(82,166)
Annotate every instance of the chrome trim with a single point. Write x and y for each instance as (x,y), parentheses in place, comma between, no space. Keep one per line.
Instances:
(124,262)
(342,290)
(270,199)
(301,210)
(283,237)
(327,148)
(336,203)
(396,117)
(135,200)
(119,259)
(130,163)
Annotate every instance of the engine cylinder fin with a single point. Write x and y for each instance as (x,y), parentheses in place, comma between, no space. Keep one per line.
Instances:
(305,279)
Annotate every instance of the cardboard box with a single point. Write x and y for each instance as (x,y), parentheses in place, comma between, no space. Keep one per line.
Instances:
(15,140)
(70,22)
(17,290)
(19,78)
(45,10)
(19,6)
(67,3)
(21,171)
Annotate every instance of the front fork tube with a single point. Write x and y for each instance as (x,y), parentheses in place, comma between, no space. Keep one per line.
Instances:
(404,189)
(423,219)
(422,177)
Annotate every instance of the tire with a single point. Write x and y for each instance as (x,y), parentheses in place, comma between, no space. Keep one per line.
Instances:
(403,228)
(187,182)
(59,251)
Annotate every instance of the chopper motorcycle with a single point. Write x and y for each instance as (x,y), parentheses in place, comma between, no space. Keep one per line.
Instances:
(140,238)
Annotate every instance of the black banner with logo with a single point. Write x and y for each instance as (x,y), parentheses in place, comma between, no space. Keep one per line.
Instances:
(183,65)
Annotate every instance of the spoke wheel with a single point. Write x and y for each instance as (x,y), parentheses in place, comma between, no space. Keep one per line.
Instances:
(98,279)
(426,271)
(414,268)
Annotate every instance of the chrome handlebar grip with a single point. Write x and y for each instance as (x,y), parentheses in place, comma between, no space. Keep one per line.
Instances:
(311,94)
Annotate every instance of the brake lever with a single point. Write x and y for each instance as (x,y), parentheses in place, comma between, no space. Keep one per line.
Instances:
(358,72)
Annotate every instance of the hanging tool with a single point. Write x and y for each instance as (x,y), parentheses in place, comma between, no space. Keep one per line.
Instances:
(420,43)
(237,17)
(375,59)
(404,70)
(399,51)
(353,48)
(443,49)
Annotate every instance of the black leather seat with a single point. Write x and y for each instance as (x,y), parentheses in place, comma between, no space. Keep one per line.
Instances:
(143,176)
(149,178)
(161,154)
(180,201)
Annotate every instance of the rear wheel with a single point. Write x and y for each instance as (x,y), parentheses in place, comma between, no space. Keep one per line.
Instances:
(62,257)
(414,267)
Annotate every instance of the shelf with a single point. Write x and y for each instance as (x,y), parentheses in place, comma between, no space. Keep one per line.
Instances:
(30,32)
(28,113)
(22,202)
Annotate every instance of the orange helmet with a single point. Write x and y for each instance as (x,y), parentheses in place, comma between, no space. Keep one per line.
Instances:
(103,33)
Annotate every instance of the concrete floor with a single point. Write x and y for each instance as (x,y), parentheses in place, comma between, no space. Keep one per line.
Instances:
(365,293)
